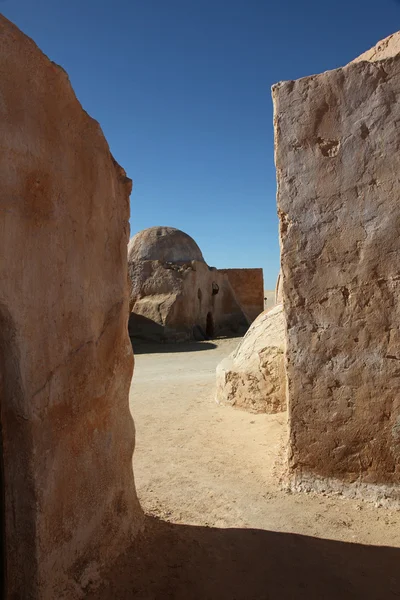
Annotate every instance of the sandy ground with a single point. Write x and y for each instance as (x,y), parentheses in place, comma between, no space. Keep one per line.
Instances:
(219,524)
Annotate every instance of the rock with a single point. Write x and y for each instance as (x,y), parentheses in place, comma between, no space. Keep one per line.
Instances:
(386,48)
(65,358)
(253,376)
(337,164)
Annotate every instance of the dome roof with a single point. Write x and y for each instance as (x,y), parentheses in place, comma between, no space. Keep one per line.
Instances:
(166,244)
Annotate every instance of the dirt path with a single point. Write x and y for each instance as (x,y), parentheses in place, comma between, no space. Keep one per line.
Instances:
(219,525)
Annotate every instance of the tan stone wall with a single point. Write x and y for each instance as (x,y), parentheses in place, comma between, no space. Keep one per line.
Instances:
(179,297)
(337,160)
(65,357)
(248,285)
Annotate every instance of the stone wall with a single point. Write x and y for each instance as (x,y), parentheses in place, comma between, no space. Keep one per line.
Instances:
(337,159)
(248,285)
(171,302)
(65,357)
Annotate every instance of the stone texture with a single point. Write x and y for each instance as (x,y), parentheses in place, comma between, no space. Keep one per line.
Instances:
(253,376)
(176,300)
(65,357)
(248,285)
(386,48)
(337,159)
(166,244)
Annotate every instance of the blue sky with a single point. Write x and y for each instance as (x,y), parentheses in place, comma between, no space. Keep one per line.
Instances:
(181,89)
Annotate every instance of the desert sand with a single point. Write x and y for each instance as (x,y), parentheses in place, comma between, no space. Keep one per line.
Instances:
(219,523)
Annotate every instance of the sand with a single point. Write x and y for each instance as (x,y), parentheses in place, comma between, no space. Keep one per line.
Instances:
(219,523)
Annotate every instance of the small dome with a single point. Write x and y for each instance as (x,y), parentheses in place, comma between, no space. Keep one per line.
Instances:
(166,244)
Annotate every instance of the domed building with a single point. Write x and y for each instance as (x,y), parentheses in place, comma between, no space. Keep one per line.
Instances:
(166,244)
(175,295)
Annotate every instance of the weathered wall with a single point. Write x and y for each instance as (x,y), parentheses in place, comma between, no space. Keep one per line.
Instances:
(166,244)
(65,357)
(248,285)
(179,297)
(337,160)
(386,48)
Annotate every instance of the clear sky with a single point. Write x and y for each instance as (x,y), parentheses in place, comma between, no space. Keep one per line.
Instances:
(181,89)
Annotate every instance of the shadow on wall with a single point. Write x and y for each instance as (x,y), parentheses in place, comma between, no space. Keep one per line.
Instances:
(210,327)
(148,337)
(177,562)
(18,557)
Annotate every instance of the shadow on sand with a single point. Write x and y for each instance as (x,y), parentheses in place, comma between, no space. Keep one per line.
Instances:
(142,347)
(182,562)
(149,337)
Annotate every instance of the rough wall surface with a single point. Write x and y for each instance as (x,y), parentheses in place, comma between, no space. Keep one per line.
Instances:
(386,48)
(65,357)
(253,376)
(248,285)
(337,159)
(166,244)
(180,299)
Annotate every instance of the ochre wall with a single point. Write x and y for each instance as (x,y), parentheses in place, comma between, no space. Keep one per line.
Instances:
(248,285)
(65,357)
